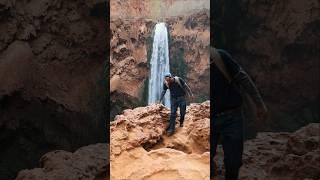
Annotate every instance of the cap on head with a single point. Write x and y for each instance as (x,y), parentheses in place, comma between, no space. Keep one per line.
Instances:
(167,75)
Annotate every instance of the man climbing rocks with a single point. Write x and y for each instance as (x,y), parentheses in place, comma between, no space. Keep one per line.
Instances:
(227,79)
(178,89)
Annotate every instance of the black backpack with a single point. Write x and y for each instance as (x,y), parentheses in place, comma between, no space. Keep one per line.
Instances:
(177,79)
(248,106)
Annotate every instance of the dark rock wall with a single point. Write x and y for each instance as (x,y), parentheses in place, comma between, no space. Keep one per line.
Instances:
(52,79)
(277,42)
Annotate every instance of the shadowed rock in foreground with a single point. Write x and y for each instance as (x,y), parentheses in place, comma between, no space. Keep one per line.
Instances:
(281,156)
(140,149)
(89,162)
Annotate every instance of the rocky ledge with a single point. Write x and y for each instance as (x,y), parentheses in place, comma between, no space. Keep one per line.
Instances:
(140,148)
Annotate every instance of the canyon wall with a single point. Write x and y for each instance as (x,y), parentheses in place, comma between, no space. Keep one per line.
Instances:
(277,42)
(155,9)
(53,58)
(131,49)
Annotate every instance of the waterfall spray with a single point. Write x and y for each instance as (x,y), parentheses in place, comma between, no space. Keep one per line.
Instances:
(159,65)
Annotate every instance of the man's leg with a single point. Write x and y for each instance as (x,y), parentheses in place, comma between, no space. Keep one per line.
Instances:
(232,146)
(183,107)
(172,122)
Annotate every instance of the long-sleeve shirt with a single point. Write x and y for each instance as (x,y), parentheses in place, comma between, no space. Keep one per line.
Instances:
(227,95)
(175,89)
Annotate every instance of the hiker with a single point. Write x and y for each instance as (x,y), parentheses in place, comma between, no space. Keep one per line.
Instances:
(229,83)
(178,89)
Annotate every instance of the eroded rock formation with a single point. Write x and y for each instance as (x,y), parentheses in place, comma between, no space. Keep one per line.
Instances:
(128,57)
(156,10)
(141,150)
(189,51)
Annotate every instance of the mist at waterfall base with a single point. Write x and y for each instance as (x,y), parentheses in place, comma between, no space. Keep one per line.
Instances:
(159,65)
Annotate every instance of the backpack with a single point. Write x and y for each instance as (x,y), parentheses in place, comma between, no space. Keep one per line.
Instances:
(177,79)
(248,106)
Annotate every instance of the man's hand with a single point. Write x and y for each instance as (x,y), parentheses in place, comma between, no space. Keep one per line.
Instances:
(191,98)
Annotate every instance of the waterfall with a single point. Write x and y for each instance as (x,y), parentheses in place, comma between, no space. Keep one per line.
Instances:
(159,65)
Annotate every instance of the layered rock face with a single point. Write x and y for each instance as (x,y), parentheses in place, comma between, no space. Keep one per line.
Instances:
(189,51)
(277,42)
(128,62)
(141,150)
(280,155)
(52,74)
(154,9)
(128,57)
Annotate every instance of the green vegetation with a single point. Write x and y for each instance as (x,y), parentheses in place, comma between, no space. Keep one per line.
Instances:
(178,66)
(145,89)
(145,92)
(201,98)
(149,47)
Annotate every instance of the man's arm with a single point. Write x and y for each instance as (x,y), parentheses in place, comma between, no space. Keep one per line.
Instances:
(246,82)
(185,86)
(163,92)
(243,79)
(162,95)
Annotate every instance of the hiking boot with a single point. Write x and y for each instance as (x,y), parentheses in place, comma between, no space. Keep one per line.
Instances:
(170,133)
(167,129)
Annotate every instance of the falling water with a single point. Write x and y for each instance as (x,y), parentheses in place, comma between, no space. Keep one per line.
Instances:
(159,65)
